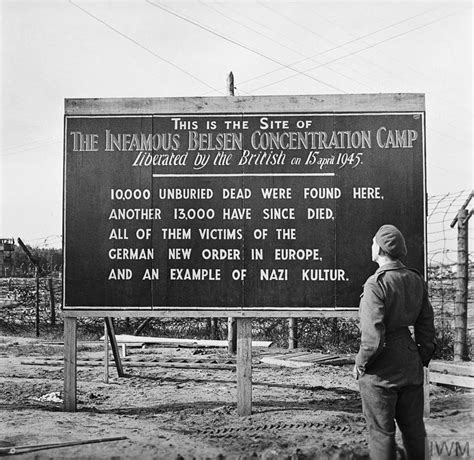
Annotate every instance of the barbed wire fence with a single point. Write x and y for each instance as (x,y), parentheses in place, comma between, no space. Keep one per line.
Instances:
(441,241)
(442,246)
(441,264)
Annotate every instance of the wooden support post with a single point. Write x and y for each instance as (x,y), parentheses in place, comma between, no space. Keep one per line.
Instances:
(106,353)
(51,301)
(37,320)
(113,342)
(460,307)
(231,324)
(292,333)
(244,366)
(70,364)
(230,84)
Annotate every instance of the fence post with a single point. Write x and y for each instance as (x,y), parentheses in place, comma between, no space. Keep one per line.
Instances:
(51,300)
(37,319)
(460,306)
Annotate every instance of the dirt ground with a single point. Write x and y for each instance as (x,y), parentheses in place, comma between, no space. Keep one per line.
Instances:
(180,413)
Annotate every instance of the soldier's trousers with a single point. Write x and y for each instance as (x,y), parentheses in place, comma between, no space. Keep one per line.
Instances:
(383,403)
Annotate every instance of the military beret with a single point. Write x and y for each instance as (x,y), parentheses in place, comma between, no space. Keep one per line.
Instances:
(391,240)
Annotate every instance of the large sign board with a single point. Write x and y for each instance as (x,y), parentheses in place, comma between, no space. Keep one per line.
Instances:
(263,204)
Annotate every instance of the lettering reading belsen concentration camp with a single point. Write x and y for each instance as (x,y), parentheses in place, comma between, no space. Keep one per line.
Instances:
(236,211)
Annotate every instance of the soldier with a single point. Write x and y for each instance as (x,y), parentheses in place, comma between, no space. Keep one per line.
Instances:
(389,364)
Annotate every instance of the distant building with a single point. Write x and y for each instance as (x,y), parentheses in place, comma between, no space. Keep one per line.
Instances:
(7,246)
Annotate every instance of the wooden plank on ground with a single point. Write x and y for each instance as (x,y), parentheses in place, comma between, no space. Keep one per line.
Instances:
(293,355)
(285,362)
(323,358)
(83,363)
(307,359)
(302,356)
(311,357)
(123,338)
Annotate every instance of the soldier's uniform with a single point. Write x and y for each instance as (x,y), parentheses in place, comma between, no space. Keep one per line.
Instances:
(389,361)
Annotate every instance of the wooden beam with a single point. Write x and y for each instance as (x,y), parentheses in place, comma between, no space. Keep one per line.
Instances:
(227,104)
(70,364)
(113,342)
(35,447)
(244,367)
(223,313)
(426,392)
(449,379)
(464,368)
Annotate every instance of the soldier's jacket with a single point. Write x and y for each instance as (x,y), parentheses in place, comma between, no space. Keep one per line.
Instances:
(394,298)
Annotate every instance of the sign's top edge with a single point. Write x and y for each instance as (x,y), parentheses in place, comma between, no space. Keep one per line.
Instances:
(241,104)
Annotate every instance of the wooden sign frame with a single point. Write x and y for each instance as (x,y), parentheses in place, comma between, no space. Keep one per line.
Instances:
(328,104)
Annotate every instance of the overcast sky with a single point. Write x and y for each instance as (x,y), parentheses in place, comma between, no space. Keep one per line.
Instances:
(57,49)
